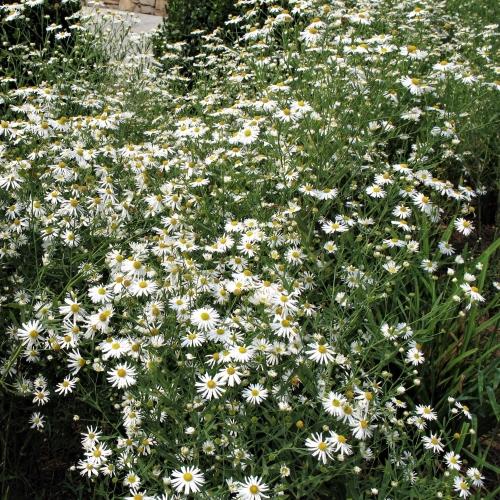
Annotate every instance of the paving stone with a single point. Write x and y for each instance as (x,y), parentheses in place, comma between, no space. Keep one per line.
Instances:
(146,22)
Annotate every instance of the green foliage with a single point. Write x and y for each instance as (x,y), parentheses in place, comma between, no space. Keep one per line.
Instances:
(29,32)
(185,17)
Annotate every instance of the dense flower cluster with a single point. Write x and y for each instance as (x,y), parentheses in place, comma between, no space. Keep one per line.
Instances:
(250,269)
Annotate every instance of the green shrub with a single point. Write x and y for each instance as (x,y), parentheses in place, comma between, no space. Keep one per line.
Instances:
(185,17)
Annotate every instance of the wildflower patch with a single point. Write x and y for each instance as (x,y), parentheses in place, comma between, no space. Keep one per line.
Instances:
(267,280)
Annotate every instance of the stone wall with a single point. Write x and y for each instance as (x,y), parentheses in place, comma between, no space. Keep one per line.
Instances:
(155,7)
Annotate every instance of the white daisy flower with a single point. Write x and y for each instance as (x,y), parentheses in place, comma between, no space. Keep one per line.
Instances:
(320,448)
(339,443)
(416,86)
(230,375)
(461,486)
(242,353)
(464,226)
(132,480)
(330,227)
(122,376)
(143,288)
(472,292)
(66,386)
(475,476)
(375,191)
(426,412)
(210,387)
(30,332)
(433,442)
(100,294)
(453,460)
(333,403)
(255,394)
(114,348)
(252,488)
(415,356)
(187,480)
(321,353)
(361,428)
(446,248)
(72,308)
(205,318)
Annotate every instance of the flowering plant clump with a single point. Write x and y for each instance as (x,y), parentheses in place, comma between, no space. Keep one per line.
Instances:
(43,38)
(267,281)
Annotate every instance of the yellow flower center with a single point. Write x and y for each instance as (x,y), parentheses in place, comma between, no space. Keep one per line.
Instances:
(104,316)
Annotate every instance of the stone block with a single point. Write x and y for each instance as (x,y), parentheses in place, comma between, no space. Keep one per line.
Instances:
(146,9)
(127,5)
(160,8)
(154,7)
